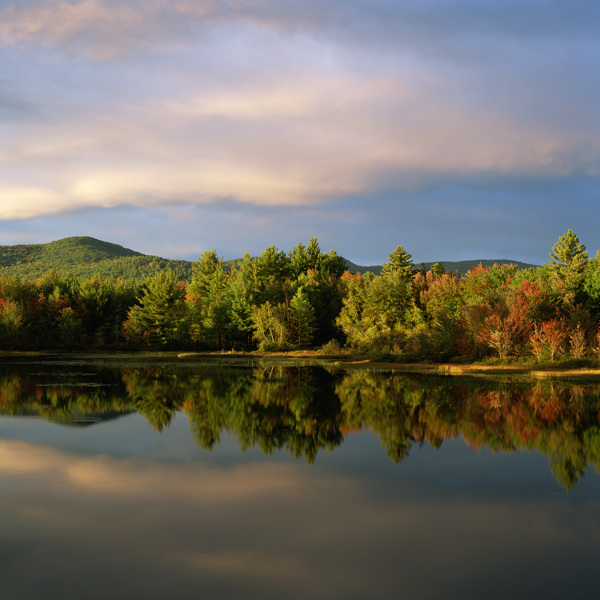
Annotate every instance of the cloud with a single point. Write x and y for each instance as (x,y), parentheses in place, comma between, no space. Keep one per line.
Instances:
(290,141)
(107,28)
(296,104)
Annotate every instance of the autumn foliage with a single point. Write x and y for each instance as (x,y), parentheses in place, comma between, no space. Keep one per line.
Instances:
(306,299)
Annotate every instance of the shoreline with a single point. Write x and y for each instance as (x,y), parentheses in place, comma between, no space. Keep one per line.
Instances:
(427,368)
(314,358)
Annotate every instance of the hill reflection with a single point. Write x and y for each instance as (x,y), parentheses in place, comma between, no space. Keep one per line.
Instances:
(303,410)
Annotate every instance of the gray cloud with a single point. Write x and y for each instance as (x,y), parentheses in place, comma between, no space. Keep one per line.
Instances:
(465,221)
(106,28)
(309,118)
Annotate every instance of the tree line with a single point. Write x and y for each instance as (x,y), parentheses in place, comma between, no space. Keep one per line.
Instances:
(306,298)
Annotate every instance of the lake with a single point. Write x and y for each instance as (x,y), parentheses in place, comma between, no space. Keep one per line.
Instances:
(153,477)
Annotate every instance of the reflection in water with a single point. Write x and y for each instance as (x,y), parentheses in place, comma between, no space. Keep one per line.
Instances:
(304,410)
(118,511)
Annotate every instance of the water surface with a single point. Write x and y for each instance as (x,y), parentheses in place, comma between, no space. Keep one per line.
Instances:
(131,479)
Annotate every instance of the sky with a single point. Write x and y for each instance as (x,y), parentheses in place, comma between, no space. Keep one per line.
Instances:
(460,129)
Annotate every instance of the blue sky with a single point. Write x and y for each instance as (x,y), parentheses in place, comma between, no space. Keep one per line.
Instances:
(461,129)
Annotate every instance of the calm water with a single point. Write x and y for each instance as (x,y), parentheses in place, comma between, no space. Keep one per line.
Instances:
(129,479)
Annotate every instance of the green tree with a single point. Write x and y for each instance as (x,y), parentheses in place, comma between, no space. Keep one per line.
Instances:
(399,261)
(105,304)
(209,301)
(569,259)
(203,270)
(591,285)
(160,318)
(438,268)
(272,326)
(242,295)
(374,311)
(298,260)
(304,319)
(569,253)
(13,317)
(272,272)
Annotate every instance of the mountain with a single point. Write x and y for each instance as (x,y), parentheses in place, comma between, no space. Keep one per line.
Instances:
(464,266)
(84,257)
(461,267)
(354,268)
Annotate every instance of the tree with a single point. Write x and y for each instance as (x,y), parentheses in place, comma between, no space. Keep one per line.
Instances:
(374,309)
(568,261)
(298,260)
(242,293)
(272,326)
(569,253)
(160,318)
(209,300)
(272,273)
(13,317)
(286,325)
(104,307)
(310,258)
(304,319)
(203,270)
(399,261)
(438,268)
(591,284)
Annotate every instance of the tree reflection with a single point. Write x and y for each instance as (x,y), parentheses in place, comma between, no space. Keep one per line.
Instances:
(155,394)
(271,409)
(306,410)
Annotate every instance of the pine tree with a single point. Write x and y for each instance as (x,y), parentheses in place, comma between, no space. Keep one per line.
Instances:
(569,253)
(399,261)
(160,318)
(304,319)
(569,259)
(209,301)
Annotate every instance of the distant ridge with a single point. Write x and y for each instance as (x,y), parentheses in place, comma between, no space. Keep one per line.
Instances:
(464,266)
(461,267)
(86,256)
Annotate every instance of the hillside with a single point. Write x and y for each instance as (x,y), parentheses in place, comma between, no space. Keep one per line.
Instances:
(460,267)
(84,257)
(464,266)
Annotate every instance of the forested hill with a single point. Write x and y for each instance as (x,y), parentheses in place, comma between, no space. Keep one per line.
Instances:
(84,257)
(464,266)
(461,267)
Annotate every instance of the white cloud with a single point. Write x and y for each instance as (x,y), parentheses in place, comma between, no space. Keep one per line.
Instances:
(281,103)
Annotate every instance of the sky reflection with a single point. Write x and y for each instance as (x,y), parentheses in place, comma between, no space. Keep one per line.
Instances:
(159,516)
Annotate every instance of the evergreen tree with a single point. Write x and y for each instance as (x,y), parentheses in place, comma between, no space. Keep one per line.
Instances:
(569,253)
(304,319)
(399,261)
(203,270)
(242,294)
(569,259)
(298,260)
(438,268)
(160,318)
(272,276)
(314,255)
(209,301)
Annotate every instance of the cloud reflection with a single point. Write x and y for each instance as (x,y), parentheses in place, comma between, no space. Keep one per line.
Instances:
(271,527)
